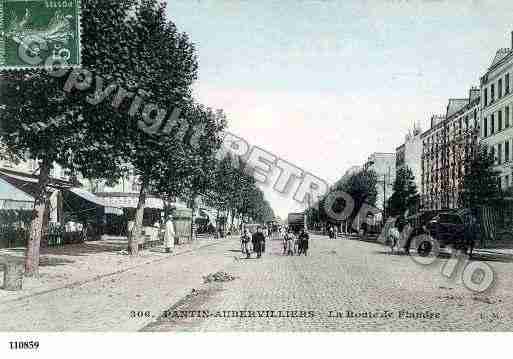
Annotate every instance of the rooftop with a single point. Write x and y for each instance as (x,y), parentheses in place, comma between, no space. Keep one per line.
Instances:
(499,56)
(456,104)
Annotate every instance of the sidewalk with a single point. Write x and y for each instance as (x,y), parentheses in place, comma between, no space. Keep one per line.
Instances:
(127,298)
(75,264)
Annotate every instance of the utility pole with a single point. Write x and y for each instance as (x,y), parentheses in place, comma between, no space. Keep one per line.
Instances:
(385,192)
(384,196)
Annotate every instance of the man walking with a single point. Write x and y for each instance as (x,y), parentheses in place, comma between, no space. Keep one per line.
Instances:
(258,241)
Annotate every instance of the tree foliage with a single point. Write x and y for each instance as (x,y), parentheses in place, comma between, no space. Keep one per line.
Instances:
(481,182)
(42,121)
(405,195)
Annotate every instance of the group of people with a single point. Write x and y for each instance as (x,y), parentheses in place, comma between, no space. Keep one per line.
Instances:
(257,240)
(293,242)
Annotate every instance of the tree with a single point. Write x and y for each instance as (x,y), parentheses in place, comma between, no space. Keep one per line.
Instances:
(361,186)
(481,182)
(191,173)
(159,71)
(43,121)
(405,196)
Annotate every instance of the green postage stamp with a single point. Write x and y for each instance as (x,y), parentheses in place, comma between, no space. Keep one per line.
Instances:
(37,33)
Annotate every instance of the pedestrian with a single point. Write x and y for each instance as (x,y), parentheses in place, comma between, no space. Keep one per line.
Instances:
(169,234)
(289,243)
(284,239)
(245,243)
(332,235)
(266,235)
(303,242)
(258,241)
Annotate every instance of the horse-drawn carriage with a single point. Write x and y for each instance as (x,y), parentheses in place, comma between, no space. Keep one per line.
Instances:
(428,231)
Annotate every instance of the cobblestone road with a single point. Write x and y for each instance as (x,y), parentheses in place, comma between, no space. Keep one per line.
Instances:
(339,277)
(118,301)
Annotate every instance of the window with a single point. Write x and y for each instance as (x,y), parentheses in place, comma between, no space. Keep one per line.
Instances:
(492,125)
(492,151)
(507,84)
(466,123)
(506,151)
(499,120)
(485,127)
(486,96)
(492,93)
(506,181)
(506,117)
(499,153)
(499,89)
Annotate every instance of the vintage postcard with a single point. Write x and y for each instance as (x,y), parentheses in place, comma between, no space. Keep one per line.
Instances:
(255,166)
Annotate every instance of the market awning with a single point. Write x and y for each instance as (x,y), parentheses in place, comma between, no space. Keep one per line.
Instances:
(28,183)
(88,196)
(12,198)
(131,201)
(96,201)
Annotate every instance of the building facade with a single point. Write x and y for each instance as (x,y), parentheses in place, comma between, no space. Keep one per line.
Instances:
(384,166)
(497,105)
(447,148)
(409,155)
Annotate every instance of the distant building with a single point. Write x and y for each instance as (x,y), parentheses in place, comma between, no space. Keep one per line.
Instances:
(384,165)
(497,105)
(409,155)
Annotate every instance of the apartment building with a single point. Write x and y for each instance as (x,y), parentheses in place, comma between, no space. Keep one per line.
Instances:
(497,105)
(447,148)
(409,154)
(384,166)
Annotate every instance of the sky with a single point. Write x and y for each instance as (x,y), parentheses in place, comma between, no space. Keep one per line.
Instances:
(325,83)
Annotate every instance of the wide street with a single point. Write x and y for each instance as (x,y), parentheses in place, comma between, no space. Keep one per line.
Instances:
(380,291)
(341,285)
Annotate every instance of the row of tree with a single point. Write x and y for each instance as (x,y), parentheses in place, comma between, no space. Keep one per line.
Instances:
(83,120)
(361,186)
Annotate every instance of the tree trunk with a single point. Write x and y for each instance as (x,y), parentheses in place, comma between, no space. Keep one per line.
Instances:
(36,224)
(218,228)
(233,217)
(192,206)
(135,237)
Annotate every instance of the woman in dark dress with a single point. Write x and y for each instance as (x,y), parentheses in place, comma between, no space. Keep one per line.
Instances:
(303,242)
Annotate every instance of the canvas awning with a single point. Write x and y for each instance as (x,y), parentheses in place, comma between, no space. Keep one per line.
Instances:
(12,198)
(95,200)
(28,183)
(131,201)
(88,196)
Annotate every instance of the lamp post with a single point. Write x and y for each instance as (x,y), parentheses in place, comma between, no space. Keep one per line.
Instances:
(385,191)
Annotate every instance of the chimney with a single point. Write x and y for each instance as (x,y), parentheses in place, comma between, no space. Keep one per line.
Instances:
(512,40)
